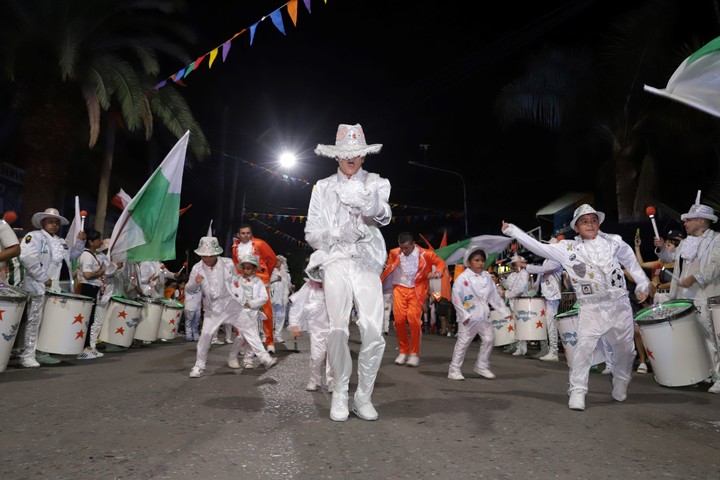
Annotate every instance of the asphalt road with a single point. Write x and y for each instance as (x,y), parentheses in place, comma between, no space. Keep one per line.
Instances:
(137,415)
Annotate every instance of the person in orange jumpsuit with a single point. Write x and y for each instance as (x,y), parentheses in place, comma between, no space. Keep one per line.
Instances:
(245,244)
(411,267)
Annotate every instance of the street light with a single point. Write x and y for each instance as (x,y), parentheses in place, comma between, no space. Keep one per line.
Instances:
(463,185)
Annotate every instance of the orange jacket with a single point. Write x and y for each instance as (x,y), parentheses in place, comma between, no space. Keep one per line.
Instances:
(267,256)
(426,260)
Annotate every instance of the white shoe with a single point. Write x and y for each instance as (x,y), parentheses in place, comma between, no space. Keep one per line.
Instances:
(279,340)
(619,391)
(642,368)
(271,363)
(233,363)
(248,364)
(607,371)
(400,360)
(412,361)
(550,357)
(484,372)
(29,363)
(271,349)
(311,386)
(577,400)
(97,353)
(196,372)
(215,341)
(86,354)
(339,407)
(331,385)
(365,411)
(455,376)
(229,340)
(715,388)
(518,353)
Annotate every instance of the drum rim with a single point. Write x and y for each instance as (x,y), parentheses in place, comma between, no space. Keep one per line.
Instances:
(22,295)
(651,321)
(569,313)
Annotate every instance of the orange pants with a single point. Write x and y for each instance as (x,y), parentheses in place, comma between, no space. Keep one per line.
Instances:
(407,309)
(268,326)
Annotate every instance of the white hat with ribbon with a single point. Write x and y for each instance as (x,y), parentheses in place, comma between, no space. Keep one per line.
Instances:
(349,143)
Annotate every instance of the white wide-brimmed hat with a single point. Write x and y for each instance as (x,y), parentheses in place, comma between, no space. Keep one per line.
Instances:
(251,259)
(517,258)
(37,219)
(586,209)
(349,143)
(208,247)
(700,211)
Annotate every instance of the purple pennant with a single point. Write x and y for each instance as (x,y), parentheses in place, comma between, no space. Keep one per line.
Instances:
(307,5)
(226,50)
(161,84)
(276,18)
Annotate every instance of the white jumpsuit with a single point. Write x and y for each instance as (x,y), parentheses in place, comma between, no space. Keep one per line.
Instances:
(350,270)
(595,270)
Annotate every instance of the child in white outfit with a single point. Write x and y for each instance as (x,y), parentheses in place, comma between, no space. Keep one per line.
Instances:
(308,313)
(472,295)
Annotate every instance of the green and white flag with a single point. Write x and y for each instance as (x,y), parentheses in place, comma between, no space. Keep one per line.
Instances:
(492,245)
(147,228)
(696,82)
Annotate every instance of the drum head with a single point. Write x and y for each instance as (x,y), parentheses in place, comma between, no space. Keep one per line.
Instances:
(126,301)
(12,294)
(664,312)
(67,296)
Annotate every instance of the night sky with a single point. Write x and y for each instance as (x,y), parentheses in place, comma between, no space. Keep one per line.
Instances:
(412,73)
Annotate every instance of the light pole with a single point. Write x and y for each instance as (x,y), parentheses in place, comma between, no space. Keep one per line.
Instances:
(463,185)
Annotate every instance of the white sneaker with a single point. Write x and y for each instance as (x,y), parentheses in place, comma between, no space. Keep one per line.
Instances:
(455,376)
(86,354)
(365,411)
(339,407)
(271,363)
(550,357)
(279,340)
(233,363)
(271,349)
(215,341)
(248,364)
(518,353)
(331,385)
(400,360)
(311,386)
(196,372)
(229,340)
(412,361)
(98,353)
(715,388)
(577,400)
(619,391)
(607,371)
(484,372)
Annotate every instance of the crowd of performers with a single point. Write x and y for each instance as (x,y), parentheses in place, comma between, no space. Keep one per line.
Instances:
(350,274)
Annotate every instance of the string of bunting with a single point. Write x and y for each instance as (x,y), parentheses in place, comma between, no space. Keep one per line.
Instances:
(224,48)
(275,173)
(285,236)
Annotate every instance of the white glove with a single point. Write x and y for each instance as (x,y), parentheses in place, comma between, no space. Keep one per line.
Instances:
(371,206)
(349,233)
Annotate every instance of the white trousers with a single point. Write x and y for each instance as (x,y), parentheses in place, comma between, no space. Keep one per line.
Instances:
(613,320)
(347,282)
(35,309)
(387,310)
(279,313)
(465,336)
(551,308)
(318,330)
(236,317)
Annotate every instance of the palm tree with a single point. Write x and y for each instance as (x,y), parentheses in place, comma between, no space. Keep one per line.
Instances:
(595,104)
(77,62)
